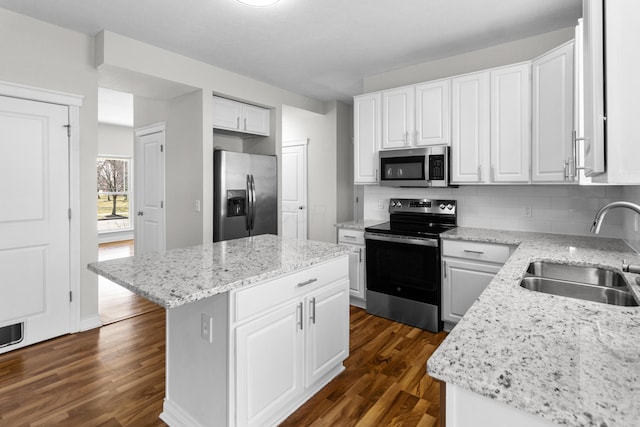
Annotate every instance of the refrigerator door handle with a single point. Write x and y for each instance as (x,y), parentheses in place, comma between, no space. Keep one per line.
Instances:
(249,206)
(253,202)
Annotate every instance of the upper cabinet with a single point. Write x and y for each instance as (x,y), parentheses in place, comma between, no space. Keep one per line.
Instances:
(511,123)
(553,150)
(470,128)
(367,132)
(432,113)
(621,89)
(239,117)
(398,117)
(491,126)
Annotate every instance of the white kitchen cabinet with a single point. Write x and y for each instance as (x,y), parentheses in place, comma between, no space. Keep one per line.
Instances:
(398,115)
(433,113)
(367,132)
(511,124)
(553,156)
(269,370)
(467,269)
(290,338)
(357,264)
(239,117)
(622,85)
(470,128)
(327,337)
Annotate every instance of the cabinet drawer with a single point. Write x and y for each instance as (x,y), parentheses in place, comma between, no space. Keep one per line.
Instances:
(478,251)
(355,237)
(266,295)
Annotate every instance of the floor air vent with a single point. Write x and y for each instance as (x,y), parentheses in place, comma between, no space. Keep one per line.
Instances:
(11,334)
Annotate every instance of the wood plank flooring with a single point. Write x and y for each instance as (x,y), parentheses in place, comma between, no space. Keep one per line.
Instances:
(116,303)
(114,376)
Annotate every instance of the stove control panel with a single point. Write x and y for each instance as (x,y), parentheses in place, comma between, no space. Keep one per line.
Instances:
(442,207)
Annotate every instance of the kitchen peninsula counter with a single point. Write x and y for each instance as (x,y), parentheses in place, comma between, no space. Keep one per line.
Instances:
(255,326)
(572,362)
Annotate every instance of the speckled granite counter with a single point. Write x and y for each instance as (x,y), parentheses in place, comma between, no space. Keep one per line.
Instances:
(180,276)
(570,361)
(360,224)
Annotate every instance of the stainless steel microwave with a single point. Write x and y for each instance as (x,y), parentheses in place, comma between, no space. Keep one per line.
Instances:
(415,167)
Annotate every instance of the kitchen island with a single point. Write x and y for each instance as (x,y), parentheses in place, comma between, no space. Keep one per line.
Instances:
(255,326)
(526,358)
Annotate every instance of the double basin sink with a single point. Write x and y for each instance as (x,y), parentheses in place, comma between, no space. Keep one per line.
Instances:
(586,283)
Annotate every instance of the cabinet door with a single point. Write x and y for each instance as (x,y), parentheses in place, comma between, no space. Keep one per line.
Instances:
(594,99)
(367,130)
(327,318)
(470,128)
(226,113)
(552,116)
(356,272)
(398,111)
(268,371)
(463,282)
(433,113)
(511,124)
(255,120)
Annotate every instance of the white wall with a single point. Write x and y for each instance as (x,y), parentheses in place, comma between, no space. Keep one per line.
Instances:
(495,56)
(184,170)
(38,54)
(561,209)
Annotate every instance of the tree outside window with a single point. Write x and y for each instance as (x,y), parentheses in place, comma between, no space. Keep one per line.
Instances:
(113,194)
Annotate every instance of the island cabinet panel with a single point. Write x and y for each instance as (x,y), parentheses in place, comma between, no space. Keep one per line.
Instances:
(269,365)
(289,341)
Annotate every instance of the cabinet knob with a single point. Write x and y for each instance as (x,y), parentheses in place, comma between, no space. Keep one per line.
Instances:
(140,213)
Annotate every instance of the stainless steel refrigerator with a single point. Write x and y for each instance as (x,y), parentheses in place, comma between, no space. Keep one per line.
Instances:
(245,194)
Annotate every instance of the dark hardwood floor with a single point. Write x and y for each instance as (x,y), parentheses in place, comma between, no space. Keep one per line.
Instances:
(116,303)
(114,376)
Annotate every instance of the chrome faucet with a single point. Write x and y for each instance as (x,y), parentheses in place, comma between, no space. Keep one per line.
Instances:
(597,222)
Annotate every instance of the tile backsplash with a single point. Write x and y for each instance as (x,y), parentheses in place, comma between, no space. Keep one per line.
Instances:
(631,220)
(559,209)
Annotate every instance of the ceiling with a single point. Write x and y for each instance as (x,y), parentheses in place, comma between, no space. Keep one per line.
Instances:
(318,48)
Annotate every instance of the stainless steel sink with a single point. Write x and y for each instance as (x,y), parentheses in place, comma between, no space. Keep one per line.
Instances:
(586,283)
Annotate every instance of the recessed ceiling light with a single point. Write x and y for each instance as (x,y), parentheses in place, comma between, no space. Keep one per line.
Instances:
(258,3)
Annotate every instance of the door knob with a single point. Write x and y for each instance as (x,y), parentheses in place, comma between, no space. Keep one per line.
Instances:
(300,207)
(140,213)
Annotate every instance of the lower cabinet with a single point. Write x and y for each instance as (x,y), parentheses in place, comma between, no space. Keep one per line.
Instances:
(285,354)
(357,264)
(467,269)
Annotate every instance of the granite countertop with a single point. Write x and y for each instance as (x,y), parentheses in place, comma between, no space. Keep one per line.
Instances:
(570,361)
(359,224)
(180,276)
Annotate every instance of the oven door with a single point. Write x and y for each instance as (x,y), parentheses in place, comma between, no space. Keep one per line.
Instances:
(404,267)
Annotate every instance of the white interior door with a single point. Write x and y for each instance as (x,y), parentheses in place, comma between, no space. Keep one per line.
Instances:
(34,221)
(294,190)
(149,193)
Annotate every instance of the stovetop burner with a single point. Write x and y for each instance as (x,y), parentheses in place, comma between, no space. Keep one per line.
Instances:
(418,218)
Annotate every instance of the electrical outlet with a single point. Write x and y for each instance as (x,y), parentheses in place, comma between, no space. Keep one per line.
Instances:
(206,327)
(198,207)
(380,204)
(527,211)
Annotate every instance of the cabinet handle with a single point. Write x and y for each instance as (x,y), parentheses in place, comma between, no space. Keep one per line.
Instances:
(377,175)
(444,268)
(238,122)
(245,123)
(493,174)
(576,151)
(299,312)
(469,251)
(313,310)
(308,282)
(360,255)
(566,172)
(346,236)
(480,173)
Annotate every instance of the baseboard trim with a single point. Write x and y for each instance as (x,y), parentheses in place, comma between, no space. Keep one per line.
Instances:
(90,323)
(174,416)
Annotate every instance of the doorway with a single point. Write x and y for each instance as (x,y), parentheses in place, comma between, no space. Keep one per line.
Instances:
(294,190)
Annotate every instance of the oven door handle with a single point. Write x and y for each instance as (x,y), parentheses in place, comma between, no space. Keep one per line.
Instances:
(407,240)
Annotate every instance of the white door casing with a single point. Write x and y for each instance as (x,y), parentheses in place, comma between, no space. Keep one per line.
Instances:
(34,219)
(150,234)
(294,190)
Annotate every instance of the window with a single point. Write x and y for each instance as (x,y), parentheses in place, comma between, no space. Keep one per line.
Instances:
(113,194)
